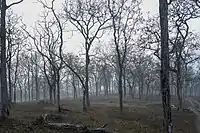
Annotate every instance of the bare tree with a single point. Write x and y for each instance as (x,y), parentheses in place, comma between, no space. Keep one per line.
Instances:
(52,41)
(124,17)
(89,18)
(4,90)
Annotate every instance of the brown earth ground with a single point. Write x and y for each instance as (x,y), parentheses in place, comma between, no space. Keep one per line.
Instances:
(137,118)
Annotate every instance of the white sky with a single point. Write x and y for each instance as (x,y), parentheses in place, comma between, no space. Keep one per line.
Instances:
(30,10)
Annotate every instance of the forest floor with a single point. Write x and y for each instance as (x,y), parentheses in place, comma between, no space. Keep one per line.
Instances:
(195,106)
(136,118)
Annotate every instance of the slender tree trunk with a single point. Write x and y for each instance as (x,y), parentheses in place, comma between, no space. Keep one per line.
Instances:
(120,88)
(21,93)
(179,83)
(148,89)
(32,84)
(25,91)
(51,93)
(58,90)
(44,92)
(141,86)
(97,88)
(124,78)
(164,75)
(87,79)
(36,79)
(29,87)
(113,84)
(84,106)
(67,87)
(54,94)
(9,80)
(105,84)
(15,76)
(131,93)
(9,65)
(74,86)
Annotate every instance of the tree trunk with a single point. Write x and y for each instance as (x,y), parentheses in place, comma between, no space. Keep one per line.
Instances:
(148,89)
(36,79)
(164,75)
(97,88)
(4,89)
(87,79)
(25,91)
(179,84)
(74,86)
(131,92)
(124,77)
(141,86)
(29,87)
(84,106)
(51,93)
(120,88)
(15,76)
(178,75)
(105,84)
(58,90)
(21,93)
(9,79)
(54,95)
(32,83)
(67,87)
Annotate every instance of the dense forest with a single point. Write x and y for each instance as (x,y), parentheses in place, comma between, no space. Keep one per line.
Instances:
(124,56)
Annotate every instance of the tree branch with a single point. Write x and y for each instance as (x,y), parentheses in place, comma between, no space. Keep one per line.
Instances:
(14,3)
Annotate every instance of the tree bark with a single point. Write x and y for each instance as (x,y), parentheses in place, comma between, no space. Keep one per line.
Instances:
(29,87)
(97,88)
(15,76)
(179,84)
(84,105)
(9,79)
(87,78)
(36,79)
(58,90)
(120,88)
(124,77)
(4,89)
(164,75)
(74,86)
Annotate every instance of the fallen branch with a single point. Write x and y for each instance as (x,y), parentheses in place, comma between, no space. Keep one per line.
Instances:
(46,119)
